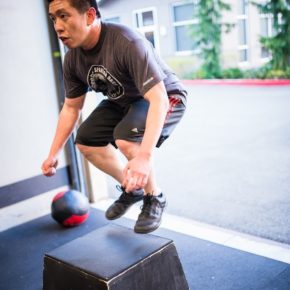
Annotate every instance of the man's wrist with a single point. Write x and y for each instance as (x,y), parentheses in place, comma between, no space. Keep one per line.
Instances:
(145,154)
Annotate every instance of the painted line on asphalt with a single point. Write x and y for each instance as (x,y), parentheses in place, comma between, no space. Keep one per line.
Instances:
(232,239)
(39,206)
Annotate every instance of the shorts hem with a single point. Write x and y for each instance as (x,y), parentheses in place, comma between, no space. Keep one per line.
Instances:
(95,144)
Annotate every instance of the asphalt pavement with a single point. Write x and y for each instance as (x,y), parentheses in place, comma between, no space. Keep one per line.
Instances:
(227,163)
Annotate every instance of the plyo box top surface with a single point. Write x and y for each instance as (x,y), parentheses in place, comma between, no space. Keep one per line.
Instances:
(107,251)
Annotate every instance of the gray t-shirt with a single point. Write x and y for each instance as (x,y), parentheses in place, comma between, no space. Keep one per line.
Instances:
(123,66)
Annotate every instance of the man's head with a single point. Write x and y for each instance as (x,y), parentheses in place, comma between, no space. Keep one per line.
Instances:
(83,5)
(75,21)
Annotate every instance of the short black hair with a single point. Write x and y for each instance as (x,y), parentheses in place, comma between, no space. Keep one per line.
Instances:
(83,5)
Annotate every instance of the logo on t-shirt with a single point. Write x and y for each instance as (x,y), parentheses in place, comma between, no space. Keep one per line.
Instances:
(100,80)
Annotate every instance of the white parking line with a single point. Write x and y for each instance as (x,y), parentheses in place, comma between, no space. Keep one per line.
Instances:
(38,206)
(228,238)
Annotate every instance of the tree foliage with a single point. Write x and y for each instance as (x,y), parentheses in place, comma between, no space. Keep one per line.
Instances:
(207,35)
(279,43)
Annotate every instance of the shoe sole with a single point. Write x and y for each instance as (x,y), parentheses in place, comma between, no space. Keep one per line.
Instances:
(140,231)
(118,216)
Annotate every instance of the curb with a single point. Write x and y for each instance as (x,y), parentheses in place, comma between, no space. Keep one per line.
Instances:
(239,82)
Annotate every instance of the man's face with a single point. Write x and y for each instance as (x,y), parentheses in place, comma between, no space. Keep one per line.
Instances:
(70,26)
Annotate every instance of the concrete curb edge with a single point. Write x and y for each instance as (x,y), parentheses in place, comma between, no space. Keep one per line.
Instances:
(239,82)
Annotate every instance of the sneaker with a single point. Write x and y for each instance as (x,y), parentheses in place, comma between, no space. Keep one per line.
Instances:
(123,203)
(151,212)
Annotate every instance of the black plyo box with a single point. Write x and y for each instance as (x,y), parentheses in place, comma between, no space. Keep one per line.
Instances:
(114,258)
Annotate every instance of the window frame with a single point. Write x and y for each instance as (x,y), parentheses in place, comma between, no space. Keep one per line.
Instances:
(270,33)
(148,28)
(193,21)
(243,47)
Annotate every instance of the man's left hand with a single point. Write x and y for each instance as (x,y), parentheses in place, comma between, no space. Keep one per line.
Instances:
(136,173)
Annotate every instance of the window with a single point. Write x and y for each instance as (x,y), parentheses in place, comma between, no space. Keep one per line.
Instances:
(115,19)
(145,22)
(146,18)
(184,21)
(266,30)
(243,47)
(242,7)
(242,25)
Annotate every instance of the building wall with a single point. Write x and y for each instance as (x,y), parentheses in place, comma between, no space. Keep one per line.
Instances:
(124,9)
(230,41)
(167,43)
(28,103)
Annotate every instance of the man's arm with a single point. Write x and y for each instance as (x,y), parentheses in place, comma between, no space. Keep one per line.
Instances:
(158,107)
(139,167)
(68,118)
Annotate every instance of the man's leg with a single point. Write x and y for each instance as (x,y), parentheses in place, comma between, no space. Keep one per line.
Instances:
(105,159)
(132,127)
(129,150)
(154,200)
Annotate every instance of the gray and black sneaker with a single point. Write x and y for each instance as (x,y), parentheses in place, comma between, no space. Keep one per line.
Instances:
(123,203)
(151,213)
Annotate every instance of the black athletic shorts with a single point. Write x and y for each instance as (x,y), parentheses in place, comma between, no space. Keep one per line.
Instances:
(110,122)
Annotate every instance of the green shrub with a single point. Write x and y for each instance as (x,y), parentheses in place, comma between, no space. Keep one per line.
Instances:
(232,73)
(205,74)
(183,66)
(257,73)
(187,68)
(276,74)
(287,73)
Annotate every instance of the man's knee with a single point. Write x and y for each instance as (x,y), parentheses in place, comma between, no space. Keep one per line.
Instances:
(128,148)
(85,150)
(100,151)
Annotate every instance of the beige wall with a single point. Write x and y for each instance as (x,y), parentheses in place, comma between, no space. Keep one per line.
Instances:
(230,42)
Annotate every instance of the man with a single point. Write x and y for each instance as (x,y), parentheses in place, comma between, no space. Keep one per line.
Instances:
(144,103)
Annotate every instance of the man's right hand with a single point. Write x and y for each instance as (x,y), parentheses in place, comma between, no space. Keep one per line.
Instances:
(49,166)
(67,120)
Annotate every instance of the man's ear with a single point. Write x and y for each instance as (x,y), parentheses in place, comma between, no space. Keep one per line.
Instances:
(91,15)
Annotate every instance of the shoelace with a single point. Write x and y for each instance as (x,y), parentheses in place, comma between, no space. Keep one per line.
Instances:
(124,197)
(120,188)
(146,207)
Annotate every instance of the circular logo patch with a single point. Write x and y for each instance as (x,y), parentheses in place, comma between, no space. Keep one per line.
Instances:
(100,80)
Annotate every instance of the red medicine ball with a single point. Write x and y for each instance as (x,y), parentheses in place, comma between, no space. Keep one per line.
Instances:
(70,208)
